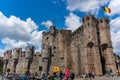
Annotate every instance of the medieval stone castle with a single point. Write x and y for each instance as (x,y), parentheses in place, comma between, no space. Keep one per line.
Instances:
(88,48)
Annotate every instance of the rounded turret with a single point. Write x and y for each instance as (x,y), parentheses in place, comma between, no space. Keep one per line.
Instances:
(28,53)
(7,54)
(15,53)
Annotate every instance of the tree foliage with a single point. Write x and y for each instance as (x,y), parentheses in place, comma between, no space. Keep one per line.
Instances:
(1,69)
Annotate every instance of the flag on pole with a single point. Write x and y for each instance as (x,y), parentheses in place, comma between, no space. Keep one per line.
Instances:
(106,9)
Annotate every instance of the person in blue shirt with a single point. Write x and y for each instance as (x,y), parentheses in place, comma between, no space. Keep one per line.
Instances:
(23,77)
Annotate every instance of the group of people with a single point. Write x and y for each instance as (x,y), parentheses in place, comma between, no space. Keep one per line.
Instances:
(108,73)
(51,76)
(90,75)
(59,76)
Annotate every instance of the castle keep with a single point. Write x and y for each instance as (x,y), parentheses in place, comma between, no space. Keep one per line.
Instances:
(88,48)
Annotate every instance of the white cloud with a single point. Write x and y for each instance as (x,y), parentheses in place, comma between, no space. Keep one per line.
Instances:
(48,23)
(17,33)
(72,22)
(93,6)
(2,52)
(15,28)
(115,24)
(36,39)
(85,5)
(115,34)
(114,6)
(10,43)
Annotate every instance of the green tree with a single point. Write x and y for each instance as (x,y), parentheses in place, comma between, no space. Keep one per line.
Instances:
(1,69)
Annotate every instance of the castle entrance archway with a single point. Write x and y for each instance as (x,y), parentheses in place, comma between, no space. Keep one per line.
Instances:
(103,62)
(103,57)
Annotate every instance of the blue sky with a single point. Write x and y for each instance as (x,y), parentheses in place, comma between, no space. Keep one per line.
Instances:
(38,10)
(22,21)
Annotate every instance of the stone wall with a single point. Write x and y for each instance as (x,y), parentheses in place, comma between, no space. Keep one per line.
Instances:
(88,48)
(21,61)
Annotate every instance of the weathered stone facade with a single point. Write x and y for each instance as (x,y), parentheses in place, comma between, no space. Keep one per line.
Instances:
(88,48)
(21,61)
(117,62)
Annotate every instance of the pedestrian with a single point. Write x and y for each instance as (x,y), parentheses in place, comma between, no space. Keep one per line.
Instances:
(107,73)
(90,75)
(72,76)
(111,73)
(67,73)
(23,77)
(93,74)
(61,75)
(3,75)
(54,76)
(43,76)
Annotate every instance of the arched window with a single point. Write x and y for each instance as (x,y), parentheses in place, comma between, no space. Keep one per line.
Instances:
(90,44)
(47,38)
(104,46)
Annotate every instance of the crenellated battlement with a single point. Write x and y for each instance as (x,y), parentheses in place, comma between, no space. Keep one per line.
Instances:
(18,53)
(88,48)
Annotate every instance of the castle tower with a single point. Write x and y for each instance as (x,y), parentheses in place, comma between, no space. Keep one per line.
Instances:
(28,53)
(8,54)
(108,59)
(28,56)
(91,46)
(5,63)
(25,60)
(15,59)
(53,49)
(15,53)
(20,52)
(48,47)
(21,67)
(8,57)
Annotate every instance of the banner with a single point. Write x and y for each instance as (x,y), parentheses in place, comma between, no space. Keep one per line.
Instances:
(56,69)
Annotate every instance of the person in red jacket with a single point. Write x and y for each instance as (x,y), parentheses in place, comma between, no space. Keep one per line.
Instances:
(67,73)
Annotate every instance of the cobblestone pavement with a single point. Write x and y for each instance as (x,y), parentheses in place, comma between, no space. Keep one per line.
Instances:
(97,78)
(0,77)
(102,78)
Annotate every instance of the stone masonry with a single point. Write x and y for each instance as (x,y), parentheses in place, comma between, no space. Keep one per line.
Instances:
(88,48)
(22,61)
